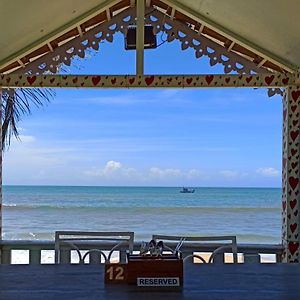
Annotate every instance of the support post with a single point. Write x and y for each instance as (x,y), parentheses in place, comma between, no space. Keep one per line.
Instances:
(140,24)
(290,174)
(1,163)
(0,171)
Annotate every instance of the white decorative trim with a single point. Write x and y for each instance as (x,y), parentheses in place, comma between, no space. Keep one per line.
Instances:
(202,45)
(50,62)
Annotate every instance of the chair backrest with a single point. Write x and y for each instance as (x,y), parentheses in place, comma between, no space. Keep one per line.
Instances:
(100,241)
(217,244)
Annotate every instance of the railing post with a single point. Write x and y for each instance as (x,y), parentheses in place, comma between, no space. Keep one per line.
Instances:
(218,258)
(95,258)
(251,258)
(278,258)
(34,256)
(65,256)
(123,257)
(6,256)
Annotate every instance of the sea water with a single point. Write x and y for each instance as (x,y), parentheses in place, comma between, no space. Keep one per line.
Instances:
(36,212)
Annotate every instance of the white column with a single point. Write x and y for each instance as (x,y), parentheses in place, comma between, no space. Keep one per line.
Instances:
(0,166)
(290,174)
(140,22)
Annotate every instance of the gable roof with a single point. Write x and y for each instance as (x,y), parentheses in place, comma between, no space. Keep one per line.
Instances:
(266,32)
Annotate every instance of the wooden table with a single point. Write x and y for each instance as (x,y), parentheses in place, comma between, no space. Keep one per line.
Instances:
(262,281)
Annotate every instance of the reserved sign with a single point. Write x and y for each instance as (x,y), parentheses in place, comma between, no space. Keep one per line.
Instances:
(158,281)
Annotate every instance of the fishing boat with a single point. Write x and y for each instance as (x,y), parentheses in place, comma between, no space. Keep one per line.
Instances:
(187,190)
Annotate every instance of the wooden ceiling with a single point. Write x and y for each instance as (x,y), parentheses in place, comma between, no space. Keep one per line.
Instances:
(12,63)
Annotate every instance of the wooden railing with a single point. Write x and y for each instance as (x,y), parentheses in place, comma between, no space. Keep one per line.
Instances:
(248,252)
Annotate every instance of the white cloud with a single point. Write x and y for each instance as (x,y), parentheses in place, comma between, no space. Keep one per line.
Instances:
(112,166)
(268,172)
(113,170)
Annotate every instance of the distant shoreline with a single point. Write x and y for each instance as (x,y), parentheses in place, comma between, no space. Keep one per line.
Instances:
(144,186)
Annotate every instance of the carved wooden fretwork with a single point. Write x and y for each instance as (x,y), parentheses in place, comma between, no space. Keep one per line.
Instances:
(202,45)
(232,62)
(51,62)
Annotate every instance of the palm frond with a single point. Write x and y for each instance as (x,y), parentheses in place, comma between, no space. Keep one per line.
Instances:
(15,104)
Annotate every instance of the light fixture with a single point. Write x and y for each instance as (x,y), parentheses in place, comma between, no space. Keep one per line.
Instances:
(149,38)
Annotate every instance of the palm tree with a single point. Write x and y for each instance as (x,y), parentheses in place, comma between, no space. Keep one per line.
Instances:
(16,103)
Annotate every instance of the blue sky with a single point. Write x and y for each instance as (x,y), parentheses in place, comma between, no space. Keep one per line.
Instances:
(163,137)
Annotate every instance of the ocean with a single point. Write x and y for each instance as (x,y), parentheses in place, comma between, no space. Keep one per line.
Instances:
(36,212)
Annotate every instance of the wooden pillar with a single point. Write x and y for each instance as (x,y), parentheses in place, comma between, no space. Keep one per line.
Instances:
(0,166)
(290,174)
(140,24)
(0,172)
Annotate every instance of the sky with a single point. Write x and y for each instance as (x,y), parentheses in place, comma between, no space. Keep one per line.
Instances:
(143,137)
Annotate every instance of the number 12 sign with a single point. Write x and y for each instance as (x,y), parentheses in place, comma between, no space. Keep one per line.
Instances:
(115,273)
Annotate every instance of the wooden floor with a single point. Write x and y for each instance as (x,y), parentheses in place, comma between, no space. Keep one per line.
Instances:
(262,281)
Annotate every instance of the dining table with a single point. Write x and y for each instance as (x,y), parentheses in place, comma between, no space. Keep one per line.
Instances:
(201,281)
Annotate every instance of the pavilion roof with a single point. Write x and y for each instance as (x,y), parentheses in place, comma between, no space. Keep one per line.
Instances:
(264,32)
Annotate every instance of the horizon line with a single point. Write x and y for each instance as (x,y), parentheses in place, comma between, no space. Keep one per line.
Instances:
(144,186)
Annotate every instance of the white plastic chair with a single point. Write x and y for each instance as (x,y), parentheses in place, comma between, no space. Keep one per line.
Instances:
(75,239)
(222,244)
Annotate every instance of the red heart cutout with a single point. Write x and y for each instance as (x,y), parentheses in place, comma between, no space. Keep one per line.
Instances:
(294,107)
(293,182)
(293,151)
(293,227)
(114,80)
(296,212)
(52,80)
(75,80)
(295,122)
(131,80)
(269,79)
(294,165)
(293,247)
(248,79)
(285,80)
(209,78)
(295,95)
(293,203)
(149,80)
(227,79)
(294,134)
(64,77)
(31,79)
(189,80)
(96,80)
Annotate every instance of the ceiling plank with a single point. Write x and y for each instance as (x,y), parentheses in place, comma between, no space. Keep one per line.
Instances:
(58,32)
(230,35)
